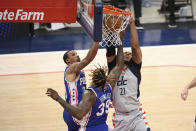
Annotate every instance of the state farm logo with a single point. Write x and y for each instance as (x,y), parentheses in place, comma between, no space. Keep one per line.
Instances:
(21,15)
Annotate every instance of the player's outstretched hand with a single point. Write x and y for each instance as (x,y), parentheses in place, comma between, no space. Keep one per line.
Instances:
(52,93)
(122,34)
(131,20)
(184,94)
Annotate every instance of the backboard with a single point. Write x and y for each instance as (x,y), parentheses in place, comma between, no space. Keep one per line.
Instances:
(90,15)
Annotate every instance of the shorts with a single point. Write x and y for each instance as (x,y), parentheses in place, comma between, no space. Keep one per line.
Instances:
(132,121)
(101,127)
(195,119)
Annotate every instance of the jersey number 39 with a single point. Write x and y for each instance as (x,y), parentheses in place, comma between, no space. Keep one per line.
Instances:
(104,107)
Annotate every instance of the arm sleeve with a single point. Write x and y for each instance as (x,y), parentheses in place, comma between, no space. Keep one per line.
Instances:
(111,65)
(110,51)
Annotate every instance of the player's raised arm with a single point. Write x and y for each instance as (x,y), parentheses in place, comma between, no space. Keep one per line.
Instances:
(136,51)
(116,71)
(76,67)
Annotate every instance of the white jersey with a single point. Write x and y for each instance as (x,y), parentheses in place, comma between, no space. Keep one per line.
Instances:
(126,91)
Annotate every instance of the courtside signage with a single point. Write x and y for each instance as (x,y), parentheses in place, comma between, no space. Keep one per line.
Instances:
(42,15)
(21,15)
(43,11)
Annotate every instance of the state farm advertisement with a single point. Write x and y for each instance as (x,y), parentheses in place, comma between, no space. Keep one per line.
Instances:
(38,15)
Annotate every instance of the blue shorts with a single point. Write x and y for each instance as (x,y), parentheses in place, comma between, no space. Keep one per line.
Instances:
(72,126)
(101,127)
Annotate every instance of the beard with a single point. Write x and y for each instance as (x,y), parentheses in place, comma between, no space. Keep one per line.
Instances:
(78,60)
(126,62)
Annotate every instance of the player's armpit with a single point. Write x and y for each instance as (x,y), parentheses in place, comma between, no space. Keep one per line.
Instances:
(72,72)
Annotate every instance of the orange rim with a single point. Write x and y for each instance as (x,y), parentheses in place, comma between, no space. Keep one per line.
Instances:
(108,9)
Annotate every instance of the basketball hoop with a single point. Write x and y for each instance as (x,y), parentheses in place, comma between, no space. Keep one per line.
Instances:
(115,20)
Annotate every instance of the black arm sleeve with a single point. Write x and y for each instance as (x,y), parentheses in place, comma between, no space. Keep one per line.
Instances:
(111,65)
(110,51)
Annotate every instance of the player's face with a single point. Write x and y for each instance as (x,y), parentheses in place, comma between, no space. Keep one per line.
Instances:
(73,57)
(127,56)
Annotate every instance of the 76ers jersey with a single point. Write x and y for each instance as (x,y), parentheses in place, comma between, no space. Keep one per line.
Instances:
(101,108)
(73,95)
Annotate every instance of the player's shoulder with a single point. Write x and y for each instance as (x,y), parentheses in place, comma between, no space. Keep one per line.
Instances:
(132,63)
(108,86)
(92,89)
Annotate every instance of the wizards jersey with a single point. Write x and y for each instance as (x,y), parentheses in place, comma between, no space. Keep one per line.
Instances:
(126,92)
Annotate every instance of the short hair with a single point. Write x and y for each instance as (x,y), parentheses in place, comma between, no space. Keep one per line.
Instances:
(65,56)
(99,77)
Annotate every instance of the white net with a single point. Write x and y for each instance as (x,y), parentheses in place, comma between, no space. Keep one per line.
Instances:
(112,26)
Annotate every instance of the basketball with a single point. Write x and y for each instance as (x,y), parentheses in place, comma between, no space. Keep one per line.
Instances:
(112,22)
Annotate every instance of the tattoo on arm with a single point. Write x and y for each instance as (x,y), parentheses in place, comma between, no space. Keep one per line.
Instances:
(79,111)
(116,71)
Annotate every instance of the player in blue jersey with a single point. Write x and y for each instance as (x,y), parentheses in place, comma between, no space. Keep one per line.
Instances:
(74,80)
(91,112)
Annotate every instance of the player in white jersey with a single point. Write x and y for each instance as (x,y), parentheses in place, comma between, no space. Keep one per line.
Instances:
(128,115)
(184,94)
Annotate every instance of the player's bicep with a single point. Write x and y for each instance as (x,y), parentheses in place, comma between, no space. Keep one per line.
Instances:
(88,100)
(137,55)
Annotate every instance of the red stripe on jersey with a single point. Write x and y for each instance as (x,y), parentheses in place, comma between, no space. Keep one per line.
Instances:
(76,93)
(69,92)
(88,117)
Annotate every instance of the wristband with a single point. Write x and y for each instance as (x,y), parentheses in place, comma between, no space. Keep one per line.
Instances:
(58,98)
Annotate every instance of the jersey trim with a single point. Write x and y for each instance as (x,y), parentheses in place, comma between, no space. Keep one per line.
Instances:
(93,91)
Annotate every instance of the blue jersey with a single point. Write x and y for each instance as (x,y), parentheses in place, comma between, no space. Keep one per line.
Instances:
(73,95)
(100,109)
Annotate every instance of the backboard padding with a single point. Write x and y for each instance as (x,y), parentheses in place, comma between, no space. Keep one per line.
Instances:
(92,21)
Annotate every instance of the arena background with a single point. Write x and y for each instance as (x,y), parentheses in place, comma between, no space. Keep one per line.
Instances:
(30,65)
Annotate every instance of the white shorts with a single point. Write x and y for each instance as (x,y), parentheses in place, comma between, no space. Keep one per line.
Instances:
(132,121)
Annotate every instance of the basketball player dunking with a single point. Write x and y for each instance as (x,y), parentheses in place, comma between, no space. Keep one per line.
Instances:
(128,114)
